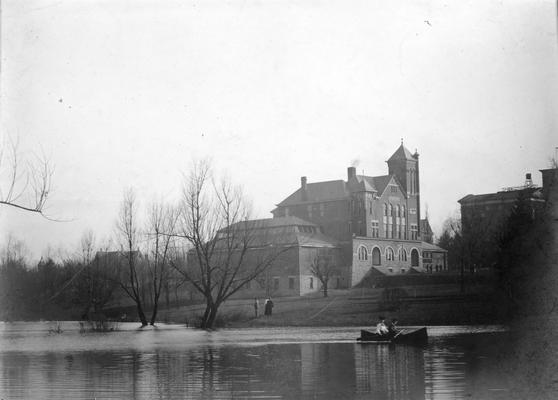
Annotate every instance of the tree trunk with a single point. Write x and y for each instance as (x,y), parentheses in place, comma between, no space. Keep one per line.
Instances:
(167,295)
(209,315)
(154,313)
(141,314)
(462,277)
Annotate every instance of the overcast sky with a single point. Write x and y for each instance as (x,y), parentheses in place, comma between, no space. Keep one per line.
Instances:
(126,93)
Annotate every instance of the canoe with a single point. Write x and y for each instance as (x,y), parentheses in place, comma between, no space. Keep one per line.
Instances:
(406,335)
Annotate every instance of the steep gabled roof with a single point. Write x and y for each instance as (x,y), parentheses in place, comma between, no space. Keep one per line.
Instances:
(381,182)
(401,154)
(319,191)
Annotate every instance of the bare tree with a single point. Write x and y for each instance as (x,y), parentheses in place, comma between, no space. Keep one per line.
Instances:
(87,246)
(127,226)
(161,237)
(226,250)
(323,267)
(26,187)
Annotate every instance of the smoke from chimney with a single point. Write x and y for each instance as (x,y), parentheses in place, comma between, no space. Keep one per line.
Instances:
(355,163)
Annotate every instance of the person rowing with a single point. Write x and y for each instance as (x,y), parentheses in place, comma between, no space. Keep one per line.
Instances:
(393,329)
(381,328)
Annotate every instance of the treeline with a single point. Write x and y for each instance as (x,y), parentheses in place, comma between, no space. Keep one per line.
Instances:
(203,242)
(84,285)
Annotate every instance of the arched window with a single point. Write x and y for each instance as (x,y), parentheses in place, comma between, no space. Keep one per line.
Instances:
(376,257)
(397,211)
(403,211)
(389,254)
(385,209)
(390,210)
(362,253)
(414,258)
(402,254)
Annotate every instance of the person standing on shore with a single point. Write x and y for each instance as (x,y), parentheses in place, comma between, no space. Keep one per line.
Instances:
(256,306)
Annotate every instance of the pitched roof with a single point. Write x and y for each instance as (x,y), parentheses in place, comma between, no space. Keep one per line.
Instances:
(425,226)
(380,182)
(319,191)
(431,247)
(282,231)
(401,154)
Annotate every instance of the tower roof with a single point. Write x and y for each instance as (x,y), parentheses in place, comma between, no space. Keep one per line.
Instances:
(401,154)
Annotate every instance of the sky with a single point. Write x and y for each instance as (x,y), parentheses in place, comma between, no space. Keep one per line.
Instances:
(123,94)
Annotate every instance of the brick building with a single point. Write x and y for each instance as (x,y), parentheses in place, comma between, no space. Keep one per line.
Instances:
(374,220)
(487,212)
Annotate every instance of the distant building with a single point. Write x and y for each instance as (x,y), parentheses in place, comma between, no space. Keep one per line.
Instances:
(487,212)
(426,231)
(483,216)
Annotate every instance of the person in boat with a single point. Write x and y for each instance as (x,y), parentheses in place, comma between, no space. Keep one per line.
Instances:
(381,328)
(393,329)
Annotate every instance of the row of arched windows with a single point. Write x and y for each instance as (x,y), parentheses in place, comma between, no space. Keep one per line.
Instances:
(362,254)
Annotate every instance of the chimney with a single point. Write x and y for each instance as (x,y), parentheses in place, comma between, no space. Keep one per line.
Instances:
(351,173)
(528,180)
(303,187)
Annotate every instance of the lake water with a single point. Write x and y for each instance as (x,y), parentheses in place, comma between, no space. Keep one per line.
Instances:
(173,362)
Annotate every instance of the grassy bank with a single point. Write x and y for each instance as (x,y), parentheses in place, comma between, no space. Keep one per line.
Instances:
(424,305)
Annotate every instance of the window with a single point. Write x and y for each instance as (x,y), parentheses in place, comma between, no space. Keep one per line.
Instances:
(397,211)
(414,232)
(248,285)
(390,269)
(402,270)
(309,210)
(311,283)
(291,282)
(389,254)
(385,209)
(322,209)
(350,226)
(275,282)
(286,211)
(375,229)
(362,253)
(402,254)
(414,258)
(393,189)
(403,211)
(376,257)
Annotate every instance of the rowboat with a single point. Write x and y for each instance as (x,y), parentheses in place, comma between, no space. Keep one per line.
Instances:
(417,336)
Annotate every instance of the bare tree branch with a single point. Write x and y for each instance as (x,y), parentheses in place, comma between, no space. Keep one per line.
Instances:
(26,190)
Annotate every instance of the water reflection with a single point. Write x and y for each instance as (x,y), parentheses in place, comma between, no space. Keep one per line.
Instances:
(178,363)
